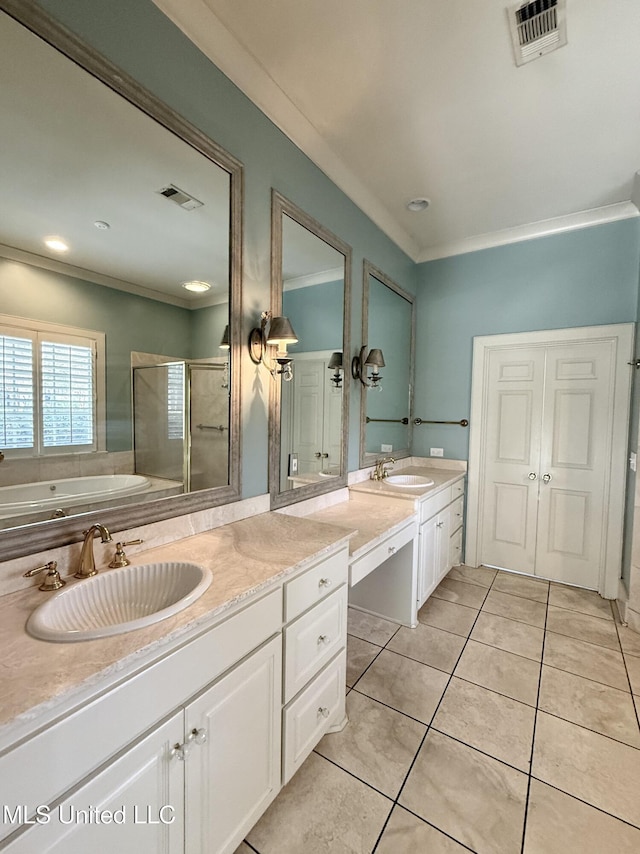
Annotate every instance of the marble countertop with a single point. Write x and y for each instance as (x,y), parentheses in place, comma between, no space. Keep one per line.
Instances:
(441,478)
(40,679)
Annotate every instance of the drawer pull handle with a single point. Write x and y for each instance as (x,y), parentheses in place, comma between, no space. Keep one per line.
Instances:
(324,711)
(392,550)
(324,582)
(323,639)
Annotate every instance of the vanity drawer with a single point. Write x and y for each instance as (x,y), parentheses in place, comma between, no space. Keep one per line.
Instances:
(309,716)
(456,514)
(432,506)
(455,548)
(457,488)
(313,585)
(312,640)
(362,566)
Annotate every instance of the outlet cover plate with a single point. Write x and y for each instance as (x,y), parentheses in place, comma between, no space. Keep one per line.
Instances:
(436,452)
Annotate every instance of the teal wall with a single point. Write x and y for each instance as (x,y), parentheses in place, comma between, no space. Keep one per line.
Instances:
(139,38)
(129,322)
(577,278)
(316,316)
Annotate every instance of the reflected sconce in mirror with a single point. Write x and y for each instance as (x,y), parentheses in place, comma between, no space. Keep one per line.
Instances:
(280,335)
(360,367)
(225,344)
(335,365)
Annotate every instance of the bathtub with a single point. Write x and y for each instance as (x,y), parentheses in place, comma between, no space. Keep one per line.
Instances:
(67,492)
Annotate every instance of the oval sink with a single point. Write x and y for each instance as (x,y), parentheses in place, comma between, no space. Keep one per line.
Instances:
(408,481)
(119,600)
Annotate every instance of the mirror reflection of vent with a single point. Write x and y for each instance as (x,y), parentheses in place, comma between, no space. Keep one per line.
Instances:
(537,28)
(184,200)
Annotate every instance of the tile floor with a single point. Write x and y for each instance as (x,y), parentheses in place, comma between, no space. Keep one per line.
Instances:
(506,722)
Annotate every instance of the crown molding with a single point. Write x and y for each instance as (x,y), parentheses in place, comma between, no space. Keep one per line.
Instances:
(311,279)
(543,228)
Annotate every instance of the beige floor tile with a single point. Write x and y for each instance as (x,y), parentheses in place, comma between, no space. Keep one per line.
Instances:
(406,834)
(322,810)
(369,628)
(457,619)
(515,608)
(560,824)
(407,686)
(630,641)
(243,848)
(360,654)
(598,707)
(633,668)
(377,745)
(500,671)
(521,585)
(586,659)
(428,645)
(509,635)
(460,593)
(476,799)
(497,725)
(592,767)
(585,601)
(582,627)
(480,575)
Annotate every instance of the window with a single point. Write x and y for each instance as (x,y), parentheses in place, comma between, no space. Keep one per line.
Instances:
(49,388)
(175,401)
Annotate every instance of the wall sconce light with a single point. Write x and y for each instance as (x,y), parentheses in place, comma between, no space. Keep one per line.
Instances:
(359,366)
(335,365)
(280,335)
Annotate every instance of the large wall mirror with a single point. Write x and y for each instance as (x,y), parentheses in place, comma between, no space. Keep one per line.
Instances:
(388,325)
(119,392)
(310,285)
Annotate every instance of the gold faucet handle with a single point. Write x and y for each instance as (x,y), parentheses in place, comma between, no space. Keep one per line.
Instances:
(52,580)
(120,558)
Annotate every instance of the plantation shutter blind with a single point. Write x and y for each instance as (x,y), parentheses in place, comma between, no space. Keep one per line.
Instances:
(17,395)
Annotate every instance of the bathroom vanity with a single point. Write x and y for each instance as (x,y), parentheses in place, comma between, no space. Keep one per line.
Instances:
(178,736)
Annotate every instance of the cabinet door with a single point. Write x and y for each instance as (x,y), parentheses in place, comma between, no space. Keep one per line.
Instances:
(427,565)
(234,775)
(443,528)
(133,806)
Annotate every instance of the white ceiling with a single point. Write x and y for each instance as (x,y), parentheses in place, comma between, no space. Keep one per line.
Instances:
(395,100)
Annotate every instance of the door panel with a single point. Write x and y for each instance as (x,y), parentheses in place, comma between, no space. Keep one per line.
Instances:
(576,446)
(514,394)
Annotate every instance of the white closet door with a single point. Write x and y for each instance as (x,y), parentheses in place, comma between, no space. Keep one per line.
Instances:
(308,407)
(509,486)
(576,435)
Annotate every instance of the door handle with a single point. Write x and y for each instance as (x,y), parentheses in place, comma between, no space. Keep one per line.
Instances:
(324,456)
(532,475)
(546,478)
(317,455)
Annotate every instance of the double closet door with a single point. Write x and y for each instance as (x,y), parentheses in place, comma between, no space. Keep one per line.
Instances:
(546,474)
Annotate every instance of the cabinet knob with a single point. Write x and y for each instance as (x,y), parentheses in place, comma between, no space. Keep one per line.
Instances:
(324,582)
(197,736)
(392,550)
(439,524)
(324,711)
(180,752)
(323,639)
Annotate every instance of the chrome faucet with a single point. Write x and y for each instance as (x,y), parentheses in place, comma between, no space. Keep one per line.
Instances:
(380,471)
(87,565)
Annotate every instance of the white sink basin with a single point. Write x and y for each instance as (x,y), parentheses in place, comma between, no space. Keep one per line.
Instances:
(408,481)
(119,600)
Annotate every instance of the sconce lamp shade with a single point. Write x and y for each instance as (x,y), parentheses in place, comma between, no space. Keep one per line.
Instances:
(375,358)
(224,343)
(335,362)
(281,332)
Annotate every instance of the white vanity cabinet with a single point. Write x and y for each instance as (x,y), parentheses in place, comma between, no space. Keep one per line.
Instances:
(439,537)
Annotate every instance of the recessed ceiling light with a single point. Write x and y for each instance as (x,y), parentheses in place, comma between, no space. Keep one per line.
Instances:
(419,204)
(56,243)
(196,287)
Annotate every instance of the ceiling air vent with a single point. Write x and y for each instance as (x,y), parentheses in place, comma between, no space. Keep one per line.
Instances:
(537,27)
(175,194)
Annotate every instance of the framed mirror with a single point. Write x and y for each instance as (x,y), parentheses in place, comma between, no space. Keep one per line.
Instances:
(311,286)
(386,403)
(119,340)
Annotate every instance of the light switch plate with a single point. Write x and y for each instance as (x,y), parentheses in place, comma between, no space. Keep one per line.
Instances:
(436,452)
